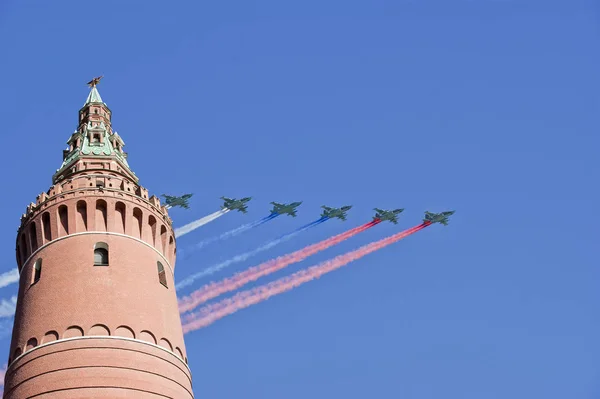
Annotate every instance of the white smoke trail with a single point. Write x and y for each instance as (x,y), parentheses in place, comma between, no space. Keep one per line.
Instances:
(188,228)
(9,277)
(7,308)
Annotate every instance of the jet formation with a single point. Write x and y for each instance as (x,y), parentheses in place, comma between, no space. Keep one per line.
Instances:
(381,215)
(235,204)
(339,213)
(173,200)
(441,218)
(282,209)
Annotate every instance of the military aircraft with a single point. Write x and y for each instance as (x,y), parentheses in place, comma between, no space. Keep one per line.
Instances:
(281,209)
(94,81)
(339,213)
(182,201)
(383,215)
(441,217)
(233,204)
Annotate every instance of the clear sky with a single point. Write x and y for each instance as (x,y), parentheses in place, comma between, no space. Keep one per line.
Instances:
(487,107)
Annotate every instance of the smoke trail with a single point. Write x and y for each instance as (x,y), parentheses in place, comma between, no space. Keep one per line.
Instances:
(242,257)
(188,228)
(215,289)
(7,278)
(2,374)
(213,312)
(228,234)
(7,308)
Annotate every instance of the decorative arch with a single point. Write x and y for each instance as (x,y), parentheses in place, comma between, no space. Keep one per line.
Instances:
(120,214)
(23,247)
(101,219)
(32,343)
(73,331)
(99,330)
(33,236)
(124,331)
(81,218)
(16,353)
(138,216)
(147,336)
(166,344)
(47,232)
(163,239)
(152,223)
(50,336)
(63,220)
(179,353)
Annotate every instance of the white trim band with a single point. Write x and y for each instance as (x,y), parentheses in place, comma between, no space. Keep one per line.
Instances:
(99,337)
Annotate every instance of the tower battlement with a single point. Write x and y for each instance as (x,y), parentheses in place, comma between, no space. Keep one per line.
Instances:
(97,313)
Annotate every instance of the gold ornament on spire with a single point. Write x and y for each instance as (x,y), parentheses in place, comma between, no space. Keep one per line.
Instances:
(95,81)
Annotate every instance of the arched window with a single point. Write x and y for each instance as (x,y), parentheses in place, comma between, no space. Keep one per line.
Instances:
(37,271)
(101,254)
(162,276)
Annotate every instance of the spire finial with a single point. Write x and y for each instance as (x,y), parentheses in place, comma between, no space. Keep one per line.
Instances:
(92,83)
(94,96)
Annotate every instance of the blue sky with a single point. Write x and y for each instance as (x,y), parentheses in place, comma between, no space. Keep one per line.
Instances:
(486,107)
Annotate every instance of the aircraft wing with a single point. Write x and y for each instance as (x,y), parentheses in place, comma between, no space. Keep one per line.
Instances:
(444,222)
(343,217)
(226,199)
(293,213)
(244,209)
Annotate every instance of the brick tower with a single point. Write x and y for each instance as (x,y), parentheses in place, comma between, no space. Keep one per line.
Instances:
(97,313)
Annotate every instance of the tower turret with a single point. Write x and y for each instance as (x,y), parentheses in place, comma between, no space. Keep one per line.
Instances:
(97,312)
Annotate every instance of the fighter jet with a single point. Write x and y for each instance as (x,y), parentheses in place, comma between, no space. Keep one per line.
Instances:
(383,215)
(177,201)
(281,209)
(339,213)
(233,204)
(441,217)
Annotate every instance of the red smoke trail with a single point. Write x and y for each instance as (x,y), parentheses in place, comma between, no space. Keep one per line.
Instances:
(213,312)
(238,280)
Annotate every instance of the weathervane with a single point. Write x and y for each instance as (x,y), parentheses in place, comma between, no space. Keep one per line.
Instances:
(94,81)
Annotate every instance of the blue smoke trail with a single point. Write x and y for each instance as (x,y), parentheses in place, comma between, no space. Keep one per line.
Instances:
(228,234)
(242,257)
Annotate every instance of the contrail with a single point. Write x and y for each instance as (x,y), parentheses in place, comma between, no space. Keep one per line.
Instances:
(8,278)
(188,228)
(238,280)
(213,312)
(7,308)
(2,374)
(229,234)
(242,257)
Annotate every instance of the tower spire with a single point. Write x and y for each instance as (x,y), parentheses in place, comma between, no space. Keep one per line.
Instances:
(94,145)
(94,96)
